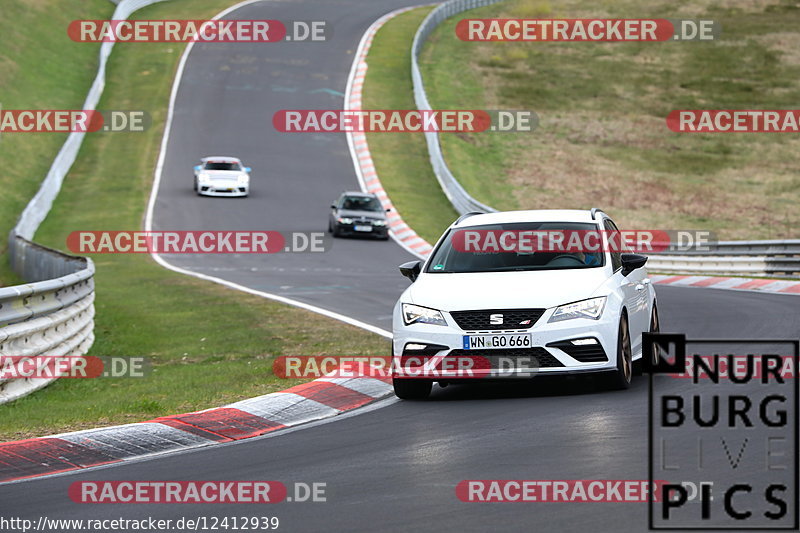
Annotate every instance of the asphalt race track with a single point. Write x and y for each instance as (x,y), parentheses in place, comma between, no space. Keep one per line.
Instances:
(225,105)
(394,468)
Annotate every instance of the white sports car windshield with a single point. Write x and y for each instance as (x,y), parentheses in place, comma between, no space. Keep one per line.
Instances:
(515,247)
(222,165)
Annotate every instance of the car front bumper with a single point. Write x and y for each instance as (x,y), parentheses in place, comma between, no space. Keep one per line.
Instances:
(349,229)
(210,190)
(551,351)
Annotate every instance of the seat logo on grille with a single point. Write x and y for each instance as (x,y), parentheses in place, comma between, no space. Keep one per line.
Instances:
(495,319)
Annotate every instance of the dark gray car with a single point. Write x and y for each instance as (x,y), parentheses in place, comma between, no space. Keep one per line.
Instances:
(358,213)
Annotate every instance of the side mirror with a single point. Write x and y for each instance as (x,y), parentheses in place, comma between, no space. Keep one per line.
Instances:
(411,270)
(333,206)
(631,262)
(388,209)
(248,169)
(197,168)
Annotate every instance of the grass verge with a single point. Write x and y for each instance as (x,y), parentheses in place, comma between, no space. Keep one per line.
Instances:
(602,139)
(40,68)
(401,159)
(208,345)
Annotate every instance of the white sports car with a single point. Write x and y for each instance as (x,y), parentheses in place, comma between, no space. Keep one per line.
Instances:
(512,314)
(221,176)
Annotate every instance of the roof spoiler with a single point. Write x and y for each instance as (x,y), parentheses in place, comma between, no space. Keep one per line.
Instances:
(596,210)
(467,215)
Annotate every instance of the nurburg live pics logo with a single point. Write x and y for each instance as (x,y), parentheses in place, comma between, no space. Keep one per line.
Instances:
(732,434)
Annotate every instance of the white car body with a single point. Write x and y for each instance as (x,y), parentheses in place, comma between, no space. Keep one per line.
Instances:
(209,181)
(498,298)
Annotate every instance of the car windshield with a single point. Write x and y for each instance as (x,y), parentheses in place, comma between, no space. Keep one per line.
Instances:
(222,165)
(361,203)
(514,247)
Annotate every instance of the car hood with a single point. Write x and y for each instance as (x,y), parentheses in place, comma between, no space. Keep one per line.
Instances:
(505,290)
(224,174)
(358,214)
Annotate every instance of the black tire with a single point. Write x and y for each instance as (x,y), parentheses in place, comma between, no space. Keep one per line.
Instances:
(620,378)
(336,232)
(412,389)
(195,185)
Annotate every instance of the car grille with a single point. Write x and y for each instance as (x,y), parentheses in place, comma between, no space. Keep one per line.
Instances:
(536,357)
(588,353)
(480,319)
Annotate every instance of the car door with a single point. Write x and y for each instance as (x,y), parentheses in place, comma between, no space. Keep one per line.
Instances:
(634,290)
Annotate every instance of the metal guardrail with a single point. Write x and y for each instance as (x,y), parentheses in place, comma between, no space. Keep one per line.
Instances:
(45,318)
(460,198)
(43,295)
(760,258)
(53,314)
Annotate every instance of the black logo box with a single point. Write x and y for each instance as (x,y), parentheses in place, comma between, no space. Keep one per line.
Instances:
(678,366)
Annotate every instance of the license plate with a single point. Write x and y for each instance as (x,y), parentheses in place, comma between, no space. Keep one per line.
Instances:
(496,342)
(362,228)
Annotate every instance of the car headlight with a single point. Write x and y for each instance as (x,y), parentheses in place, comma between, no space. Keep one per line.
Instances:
(416,314)
(203,177)
(378,222)
(591,308)
(343,220)
(243,180)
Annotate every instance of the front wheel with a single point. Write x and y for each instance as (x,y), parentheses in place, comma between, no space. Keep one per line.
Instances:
(621,377)
(412,389)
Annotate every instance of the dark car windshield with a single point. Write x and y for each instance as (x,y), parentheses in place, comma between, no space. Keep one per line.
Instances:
(479,251)
(222,165)
(361,203)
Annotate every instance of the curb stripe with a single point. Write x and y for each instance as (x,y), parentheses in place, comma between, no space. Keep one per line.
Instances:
(332,395)
(771,286)
(754,284)
(230,423)
(48,455)
(708,282)
(359,147)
